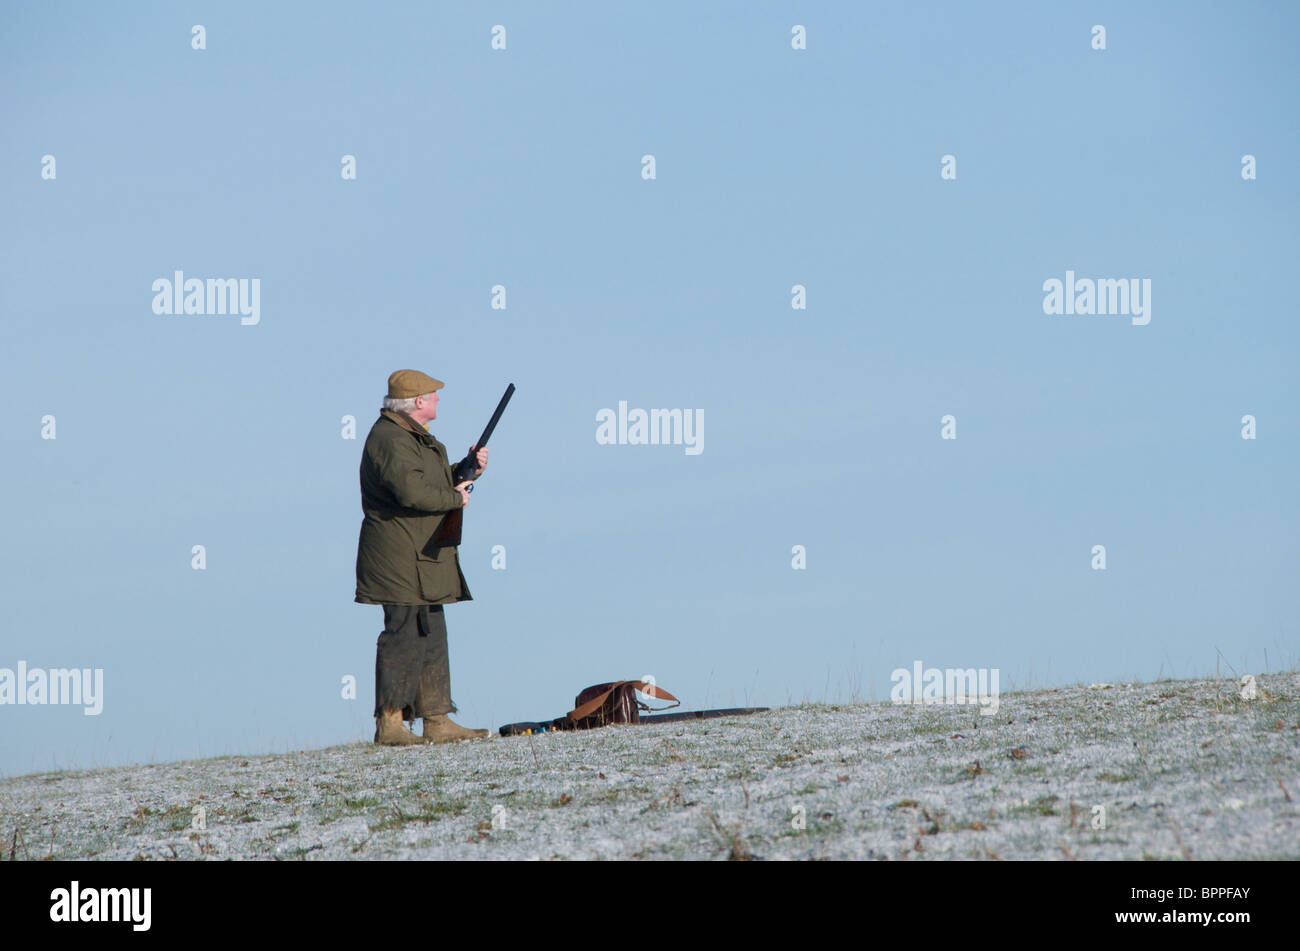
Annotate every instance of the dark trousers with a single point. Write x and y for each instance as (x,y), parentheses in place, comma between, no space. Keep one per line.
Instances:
(412,670)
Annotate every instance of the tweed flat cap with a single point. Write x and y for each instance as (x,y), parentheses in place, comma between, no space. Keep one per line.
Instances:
(404,384)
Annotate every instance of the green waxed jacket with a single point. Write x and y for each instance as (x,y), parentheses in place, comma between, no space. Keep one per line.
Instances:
(406,492)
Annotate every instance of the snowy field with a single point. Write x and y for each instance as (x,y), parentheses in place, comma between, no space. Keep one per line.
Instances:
(1167,770)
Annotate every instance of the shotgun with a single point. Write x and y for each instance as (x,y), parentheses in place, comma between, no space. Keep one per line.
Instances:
(448,532)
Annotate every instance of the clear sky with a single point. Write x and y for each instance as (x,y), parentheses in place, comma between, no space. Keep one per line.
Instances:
(523,168)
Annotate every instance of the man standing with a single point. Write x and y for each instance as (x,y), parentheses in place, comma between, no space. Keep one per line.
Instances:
(406,493)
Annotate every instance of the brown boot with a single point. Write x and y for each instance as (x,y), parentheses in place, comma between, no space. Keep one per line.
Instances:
(389,730)
(441,729)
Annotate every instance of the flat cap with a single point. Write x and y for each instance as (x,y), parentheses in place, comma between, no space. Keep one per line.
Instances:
(404,384)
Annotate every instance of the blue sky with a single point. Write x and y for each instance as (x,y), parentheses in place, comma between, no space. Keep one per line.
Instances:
(522,167)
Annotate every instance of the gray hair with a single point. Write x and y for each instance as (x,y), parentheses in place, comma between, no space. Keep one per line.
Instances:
(404,405)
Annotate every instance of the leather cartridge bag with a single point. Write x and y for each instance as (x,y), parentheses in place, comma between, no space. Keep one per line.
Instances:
(604,704)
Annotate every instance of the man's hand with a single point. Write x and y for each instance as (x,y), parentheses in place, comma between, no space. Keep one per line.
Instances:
(463,489)
(481,458)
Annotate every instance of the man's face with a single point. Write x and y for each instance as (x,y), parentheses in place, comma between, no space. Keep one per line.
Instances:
(426,407)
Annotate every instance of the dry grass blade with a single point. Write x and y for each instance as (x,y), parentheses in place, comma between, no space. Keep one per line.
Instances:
(672,751)
(731,837)
(673,798)
(1178,837)
(19,839)
(1279,782)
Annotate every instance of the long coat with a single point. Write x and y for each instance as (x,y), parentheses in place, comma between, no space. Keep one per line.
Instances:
(406,491)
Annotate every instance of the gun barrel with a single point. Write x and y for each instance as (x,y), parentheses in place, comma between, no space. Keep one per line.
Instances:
(466,468)
(496,417)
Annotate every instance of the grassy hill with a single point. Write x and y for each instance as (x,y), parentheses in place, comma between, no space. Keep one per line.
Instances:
(1167,770)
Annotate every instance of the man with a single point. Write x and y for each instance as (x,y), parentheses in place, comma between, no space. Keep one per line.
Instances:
(406,493)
